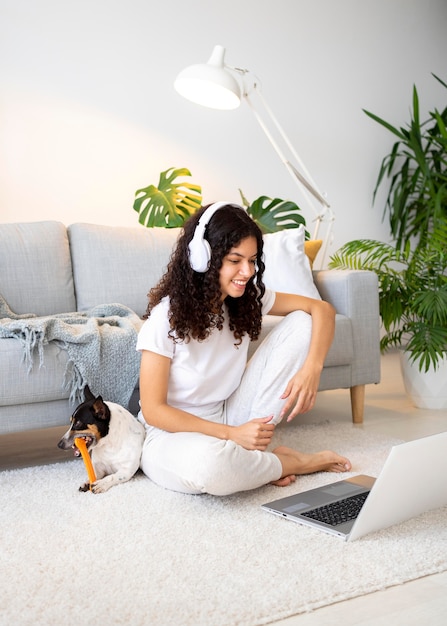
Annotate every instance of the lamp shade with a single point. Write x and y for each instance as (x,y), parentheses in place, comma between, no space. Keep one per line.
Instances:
(210,84)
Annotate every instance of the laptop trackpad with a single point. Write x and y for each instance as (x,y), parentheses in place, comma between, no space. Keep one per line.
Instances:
(340,489)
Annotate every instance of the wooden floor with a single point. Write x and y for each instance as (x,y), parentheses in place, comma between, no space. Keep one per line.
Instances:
(387,411)
(37,447)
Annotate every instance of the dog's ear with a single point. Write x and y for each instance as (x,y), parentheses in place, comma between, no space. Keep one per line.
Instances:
(101,409)
(88,394)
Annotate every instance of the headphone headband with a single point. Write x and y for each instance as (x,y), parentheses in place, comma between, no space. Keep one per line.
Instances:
(199,248)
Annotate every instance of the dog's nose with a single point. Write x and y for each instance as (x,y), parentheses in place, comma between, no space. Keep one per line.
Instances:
(61,444)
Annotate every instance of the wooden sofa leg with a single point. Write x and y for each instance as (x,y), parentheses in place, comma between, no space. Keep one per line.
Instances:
(357,403)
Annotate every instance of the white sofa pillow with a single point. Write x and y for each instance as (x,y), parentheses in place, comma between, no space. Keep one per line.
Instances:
(287,268)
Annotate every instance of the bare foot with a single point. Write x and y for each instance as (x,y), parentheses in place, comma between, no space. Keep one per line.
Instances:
(285,481)
(294,462)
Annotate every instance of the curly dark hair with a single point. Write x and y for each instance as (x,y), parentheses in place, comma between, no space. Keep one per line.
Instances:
(195,298)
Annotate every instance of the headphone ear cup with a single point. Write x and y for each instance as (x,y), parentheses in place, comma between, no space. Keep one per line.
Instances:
(199,254)
(199,248)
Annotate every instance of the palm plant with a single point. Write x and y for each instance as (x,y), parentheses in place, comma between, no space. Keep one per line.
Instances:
(412,293)
(416,201)
(412,271)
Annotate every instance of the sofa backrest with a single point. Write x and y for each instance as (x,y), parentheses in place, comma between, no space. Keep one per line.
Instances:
(35,268)
(118,264)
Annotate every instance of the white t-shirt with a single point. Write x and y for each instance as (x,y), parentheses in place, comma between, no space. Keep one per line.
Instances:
(203,373)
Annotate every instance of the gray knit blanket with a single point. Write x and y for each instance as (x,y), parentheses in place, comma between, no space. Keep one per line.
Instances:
(100,344)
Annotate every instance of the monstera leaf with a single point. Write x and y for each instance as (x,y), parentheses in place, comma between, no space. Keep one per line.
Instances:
(169,204)
(274,214)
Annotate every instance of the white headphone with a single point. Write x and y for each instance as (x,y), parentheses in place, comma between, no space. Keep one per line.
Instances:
(199,248)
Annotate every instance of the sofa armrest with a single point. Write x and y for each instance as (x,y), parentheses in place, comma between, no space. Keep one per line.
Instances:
(355,294)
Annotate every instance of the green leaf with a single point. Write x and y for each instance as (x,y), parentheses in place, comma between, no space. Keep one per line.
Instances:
(388,126)
(274,214)
(439,80)
(416,173)
(412,292)
(171,203)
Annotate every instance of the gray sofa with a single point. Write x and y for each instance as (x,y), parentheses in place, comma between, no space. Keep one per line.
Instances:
(47,269)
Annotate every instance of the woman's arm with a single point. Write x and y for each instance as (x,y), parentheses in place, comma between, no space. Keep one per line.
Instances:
(301,391)
(154,376)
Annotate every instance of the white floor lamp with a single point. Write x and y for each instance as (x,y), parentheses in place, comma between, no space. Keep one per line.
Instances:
(217,85)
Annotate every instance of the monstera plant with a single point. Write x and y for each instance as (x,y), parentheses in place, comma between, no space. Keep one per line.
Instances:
(273,214)
(171,203)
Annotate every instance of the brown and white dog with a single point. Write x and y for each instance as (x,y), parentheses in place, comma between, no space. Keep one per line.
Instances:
(114,438)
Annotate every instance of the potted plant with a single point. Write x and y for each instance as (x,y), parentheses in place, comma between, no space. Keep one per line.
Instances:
(413,309)
(416,168)
(169,205)
(412,271)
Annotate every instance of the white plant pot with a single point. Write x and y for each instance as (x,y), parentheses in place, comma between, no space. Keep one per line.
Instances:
(427,390)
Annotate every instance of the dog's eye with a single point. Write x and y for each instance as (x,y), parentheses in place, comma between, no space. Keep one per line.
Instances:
(78,425)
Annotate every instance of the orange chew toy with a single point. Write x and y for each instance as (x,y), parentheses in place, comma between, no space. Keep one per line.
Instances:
(80,443)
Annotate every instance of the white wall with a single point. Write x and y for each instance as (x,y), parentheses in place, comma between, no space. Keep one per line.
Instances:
(88,112)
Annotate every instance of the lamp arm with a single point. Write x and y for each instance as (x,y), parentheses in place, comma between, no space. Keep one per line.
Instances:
(302,181)
(306,180)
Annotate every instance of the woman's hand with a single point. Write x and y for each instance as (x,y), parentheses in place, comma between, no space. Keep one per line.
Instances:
(301,392)
(253,435)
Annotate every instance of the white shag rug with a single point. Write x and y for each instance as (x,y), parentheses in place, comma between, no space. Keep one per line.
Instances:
(142,555)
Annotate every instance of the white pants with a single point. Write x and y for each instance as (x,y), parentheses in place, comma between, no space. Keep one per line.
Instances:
(195,463)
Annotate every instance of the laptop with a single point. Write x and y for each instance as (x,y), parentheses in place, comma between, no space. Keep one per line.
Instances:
(412,481)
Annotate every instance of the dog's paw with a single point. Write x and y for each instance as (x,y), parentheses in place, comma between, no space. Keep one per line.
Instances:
(101,486)
(85,487)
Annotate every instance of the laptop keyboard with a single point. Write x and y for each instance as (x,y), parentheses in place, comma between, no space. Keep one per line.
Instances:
(339,512)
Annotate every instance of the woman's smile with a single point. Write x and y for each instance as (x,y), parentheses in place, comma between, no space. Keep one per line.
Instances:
(238,267)
(240,283)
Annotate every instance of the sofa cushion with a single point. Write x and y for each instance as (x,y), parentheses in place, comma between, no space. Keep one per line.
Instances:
(121,264)
(35,268)
(118,264)
(287,267)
